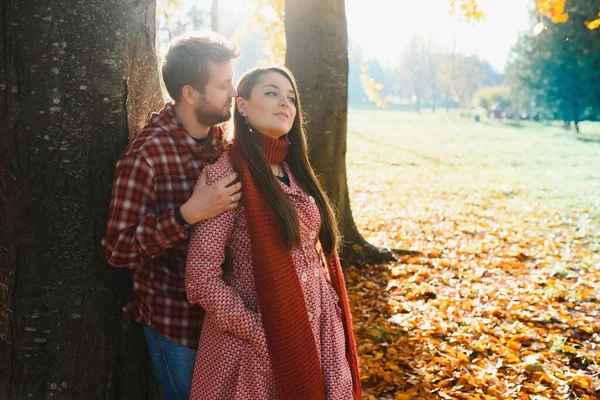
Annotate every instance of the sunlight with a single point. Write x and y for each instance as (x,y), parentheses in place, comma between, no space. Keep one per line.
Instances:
(269,13)
(538,28)
(400,21)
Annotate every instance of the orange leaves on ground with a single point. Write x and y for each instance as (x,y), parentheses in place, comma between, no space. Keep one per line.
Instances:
(494,335)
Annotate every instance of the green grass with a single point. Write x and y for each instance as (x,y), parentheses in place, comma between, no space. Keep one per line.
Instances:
(402,166)
(544,165)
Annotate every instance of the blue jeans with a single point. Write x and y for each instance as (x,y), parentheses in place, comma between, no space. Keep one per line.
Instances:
(173,363)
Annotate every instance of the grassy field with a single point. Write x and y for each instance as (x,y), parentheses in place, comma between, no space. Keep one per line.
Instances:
(505,301)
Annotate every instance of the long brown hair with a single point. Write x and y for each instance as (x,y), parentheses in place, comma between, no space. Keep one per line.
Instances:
(297,159)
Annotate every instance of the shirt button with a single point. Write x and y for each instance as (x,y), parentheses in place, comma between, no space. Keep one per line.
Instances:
(313,235)
(304,277)
(312,199)
(316,272)
(310,316)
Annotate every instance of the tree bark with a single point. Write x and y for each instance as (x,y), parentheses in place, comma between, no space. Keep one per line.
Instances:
(317,54)
(76,79)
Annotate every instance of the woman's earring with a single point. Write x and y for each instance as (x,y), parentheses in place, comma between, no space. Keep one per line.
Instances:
(249,127)
(286,138)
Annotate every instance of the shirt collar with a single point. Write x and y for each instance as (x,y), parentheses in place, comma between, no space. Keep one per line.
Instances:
(167,120)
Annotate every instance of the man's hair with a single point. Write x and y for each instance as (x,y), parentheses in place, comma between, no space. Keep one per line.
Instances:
(188,57)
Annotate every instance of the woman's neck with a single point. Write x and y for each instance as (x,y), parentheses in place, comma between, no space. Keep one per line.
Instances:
(277,169)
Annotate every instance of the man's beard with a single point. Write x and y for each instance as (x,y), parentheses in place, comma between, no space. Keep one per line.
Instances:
(209,115)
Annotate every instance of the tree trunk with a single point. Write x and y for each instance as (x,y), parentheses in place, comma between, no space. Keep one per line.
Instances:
(433,97)
(214,16)
(576,117)
(317,53)
(76,79)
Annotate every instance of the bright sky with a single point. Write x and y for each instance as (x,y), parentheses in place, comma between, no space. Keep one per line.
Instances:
(384,27)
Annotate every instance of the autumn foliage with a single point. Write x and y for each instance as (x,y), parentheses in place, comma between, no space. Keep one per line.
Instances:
(503,301)
(554,9)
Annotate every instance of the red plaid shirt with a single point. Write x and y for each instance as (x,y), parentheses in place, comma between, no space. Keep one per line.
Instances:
(155,174)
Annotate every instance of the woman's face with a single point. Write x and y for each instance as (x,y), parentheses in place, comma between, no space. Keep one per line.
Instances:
(271,108)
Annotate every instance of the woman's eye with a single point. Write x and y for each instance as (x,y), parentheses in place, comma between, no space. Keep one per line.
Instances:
(292,100)
(271,93)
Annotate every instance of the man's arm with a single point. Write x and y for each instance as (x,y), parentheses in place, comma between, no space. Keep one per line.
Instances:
(134,232)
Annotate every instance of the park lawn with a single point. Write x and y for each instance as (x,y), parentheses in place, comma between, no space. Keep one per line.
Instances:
(504,303)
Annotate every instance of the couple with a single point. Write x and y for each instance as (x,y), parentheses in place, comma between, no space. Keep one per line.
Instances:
(241,299)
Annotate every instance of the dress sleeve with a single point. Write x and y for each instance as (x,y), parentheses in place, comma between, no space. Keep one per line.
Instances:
(204,282)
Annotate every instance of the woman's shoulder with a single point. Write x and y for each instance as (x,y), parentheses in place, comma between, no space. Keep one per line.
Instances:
(220,169)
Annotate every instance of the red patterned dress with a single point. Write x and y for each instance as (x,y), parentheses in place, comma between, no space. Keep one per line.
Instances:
(233,360)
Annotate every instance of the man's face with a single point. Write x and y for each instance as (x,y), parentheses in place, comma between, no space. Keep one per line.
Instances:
(214,105)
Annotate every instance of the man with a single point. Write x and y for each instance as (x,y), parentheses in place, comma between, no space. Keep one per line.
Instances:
(154,203)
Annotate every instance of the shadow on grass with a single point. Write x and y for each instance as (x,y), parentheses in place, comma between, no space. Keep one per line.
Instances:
(433,160)
(589,139)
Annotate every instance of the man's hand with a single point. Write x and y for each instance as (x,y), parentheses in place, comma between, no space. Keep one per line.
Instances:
(208,201)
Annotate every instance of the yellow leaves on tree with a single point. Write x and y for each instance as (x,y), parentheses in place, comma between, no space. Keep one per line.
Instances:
(595,24)
(467,8)
(555,9)
(269,15)
(370,86)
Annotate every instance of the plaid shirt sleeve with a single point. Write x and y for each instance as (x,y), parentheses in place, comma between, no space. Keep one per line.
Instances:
(135,232)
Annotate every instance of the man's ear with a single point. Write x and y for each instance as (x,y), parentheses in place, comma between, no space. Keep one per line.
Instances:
(188,95)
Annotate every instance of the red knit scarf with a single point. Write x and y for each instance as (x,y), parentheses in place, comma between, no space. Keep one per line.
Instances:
(290,341)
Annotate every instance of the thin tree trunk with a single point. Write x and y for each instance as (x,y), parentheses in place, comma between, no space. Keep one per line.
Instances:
(317,53)
(76,79)
(576,117)
(214,16)
(433,90)
(195,17)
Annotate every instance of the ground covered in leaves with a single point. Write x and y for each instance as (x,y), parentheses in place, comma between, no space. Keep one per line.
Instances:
(504,302)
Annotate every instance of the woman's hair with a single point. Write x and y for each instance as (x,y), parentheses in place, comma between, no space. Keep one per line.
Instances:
(297,159)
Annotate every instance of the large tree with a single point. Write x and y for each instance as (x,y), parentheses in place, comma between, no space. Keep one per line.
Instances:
(317,53)
(76,80)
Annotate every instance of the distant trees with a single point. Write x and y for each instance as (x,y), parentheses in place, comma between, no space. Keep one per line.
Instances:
(555,73)
(427,76)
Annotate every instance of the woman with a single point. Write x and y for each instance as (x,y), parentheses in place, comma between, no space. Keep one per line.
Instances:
(277,322)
